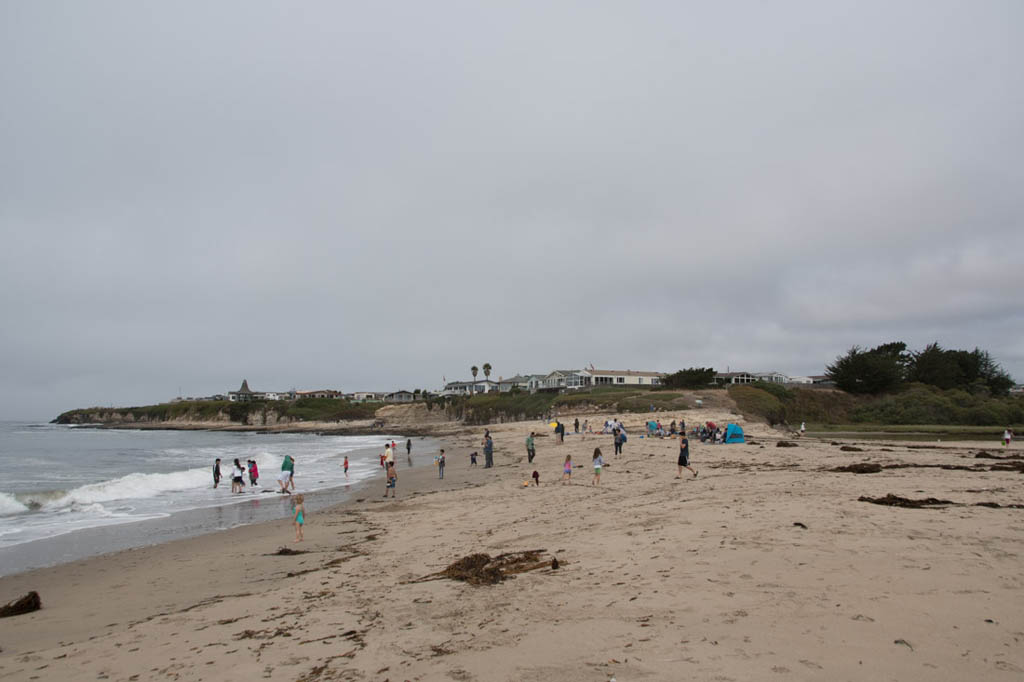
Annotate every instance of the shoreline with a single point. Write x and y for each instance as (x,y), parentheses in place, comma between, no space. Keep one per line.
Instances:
(765,564)
(255,507)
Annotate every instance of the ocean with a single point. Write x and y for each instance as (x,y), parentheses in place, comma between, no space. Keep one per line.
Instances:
(68,492)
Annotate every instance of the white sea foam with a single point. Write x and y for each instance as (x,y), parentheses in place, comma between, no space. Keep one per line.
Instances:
(132,486)
(71,483)
(9,504)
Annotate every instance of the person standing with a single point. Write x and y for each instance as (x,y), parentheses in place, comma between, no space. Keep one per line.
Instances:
(392,474)
(408,448)
(299,520)
(216,472)
(684,457)
(344,465)
(803,428)
(576,425)
(619,440)
(440,465)
(598,463)
(530,451)
(287,469)
(1007,437)
(488,452)
(237,483)
(389,454)
(254,473)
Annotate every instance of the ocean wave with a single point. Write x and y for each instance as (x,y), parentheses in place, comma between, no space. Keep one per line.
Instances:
(10,505)
(132,486)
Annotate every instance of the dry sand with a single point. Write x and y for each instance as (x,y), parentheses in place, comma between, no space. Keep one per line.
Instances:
(659,578)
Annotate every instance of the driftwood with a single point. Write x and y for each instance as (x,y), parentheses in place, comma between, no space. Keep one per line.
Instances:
(483,569)
(861,468)
(27,604)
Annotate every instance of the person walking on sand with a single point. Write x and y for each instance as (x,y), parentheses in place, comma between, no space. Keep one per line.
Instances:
(576,425)
(344,465)
(598,463)
(472,459)
(530,451)
(216,472)
(1007,437)
(392,480)
(684,457)
(618,440)
(440,465)
(488,452)
(300,517)
(567,470)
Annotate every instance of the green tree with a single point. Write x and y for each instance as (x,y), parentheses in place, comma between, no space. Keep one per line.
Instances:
(487,370)
(869,371)
(694,377)
(473,370)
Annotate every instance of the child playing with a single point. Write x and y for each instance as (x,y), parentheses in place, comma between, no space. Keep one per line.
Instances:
(472,459)
(536,477)
(598,463)
(567,470)
(392,480)
(300,518)
(254,472)
(344,465)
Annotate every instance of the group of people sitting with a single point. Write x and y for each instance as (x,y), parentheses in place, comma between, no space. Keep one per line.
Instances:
(709,431)
(654,428)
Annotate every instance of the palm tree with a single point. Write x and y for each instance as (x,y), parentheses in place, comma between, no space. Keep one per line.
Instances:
(487,370)
(473,370)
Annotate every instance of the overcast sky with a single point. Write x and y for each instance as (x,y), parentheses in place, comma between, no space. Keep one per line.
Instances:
(373,196)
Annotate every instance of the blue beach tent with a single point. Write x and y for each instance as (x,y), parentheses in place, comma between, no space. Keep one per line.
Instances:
(734,434)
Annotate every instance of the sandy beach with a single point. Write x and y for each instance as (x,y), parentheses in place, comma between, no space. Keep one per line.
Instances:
(764,566)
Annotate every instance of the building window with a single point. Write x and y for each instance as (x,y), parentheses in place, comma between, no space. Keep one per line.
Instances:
(620,380)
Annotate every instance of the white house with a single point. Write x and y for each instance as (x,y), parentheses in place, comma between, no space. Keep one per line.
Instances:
(518,381)
(566,378)
(320,393)
(627,377)
(801,380)
(534,382)
(734,378)
(469,387)
(400,397)
(771,377)
(363,396)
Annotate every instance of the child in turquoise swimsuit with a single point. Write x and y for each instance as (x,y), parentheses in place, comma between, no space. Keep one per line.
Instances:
(300,517)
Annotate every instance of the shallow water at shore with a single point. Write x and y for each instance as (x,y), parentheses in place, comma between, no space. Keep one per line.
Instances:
(70,493)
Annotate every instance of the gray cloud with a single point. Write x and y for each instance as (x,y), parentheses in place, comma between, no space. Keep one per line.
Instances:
(376,197)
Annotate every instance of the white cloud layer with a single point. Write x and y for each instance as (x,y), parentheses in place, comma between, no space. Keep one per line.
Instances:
(371,197)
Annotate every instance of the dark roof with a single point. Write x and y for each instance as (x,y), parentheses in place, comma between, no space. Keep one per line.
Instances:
(245,387)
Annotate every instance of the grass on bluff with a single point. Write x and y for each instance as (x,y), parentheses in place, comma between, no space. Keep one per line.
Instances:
(489,408)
